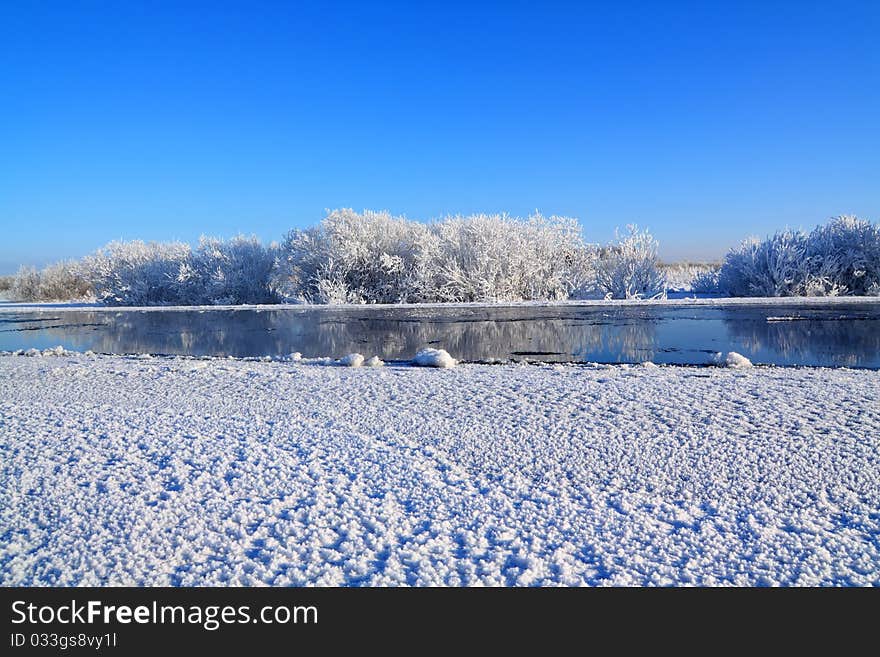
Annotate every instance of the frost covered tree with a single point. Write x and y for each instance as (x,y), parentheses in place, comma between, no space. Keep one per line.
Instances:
(236,271)
(61,281)
(358,258)
(840,257)
(774,267)
(706,281)
(369,257)
(843,257)
(145,273)
(373,257)
(500,258)
(630,269)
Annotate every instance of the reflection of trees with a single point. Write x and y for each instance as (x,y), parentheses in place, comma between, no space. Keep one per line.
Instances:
(558,333)
(545,334)
(852,342)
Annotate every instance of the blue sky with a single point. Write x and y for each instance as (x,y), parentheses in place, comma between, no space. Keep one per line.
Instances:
(703,121)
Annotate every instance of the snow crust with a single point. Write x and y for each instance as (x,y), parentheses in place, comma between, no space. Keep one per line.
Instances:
(127,470)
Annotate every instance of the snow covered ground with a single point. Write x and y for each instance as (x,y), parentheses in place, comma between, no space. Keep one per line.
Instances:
(181,471)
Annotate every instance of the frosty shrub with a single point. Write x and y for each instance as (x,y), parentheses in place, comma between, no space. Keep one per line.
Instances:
(706,282)
(844,258)
(841,257)
(374,257)
(26,285)
(358,258)
(630,269)
(140,273)
(774,267)
(62,281)
(369,257)
(235,271)
(500,258)
(691,277)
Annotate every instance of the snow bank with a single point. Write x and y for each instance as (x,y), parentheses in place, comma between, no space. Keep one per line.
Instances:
(429,357)
(374,361)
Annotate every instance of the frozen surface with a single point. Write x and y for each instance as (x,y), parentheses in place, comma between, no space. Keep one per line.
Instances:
(182,471)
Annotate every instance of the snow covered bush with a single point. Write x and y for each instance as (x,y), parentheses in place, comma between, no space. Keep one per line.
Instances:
(374,257)
(140,273)
(358,258)
(235,271)
(26,284)
(501,258)
(62,281)
(841,257)
(630,269)
(691,277)
(706,282)
(369,257)
(774,267)
(844,258)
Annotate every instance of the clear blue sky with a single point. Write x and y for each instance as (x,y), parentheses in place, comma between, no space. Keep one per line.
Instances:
(704,121)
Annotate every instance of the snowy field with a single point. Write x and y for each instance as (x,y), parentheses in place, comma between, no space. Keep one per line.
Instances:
(181,471)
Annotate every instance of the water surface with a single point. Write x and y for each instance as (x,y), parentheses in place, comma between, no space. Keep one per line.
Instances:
(842,334)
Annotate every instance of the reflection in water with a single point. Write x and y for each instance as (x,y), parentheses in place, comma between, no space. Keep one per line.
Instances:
(845,335)
(842,343)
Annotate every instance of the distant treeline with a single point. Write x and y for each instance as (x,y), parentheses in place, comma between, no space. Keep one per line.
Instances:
(374,257)
(369,257)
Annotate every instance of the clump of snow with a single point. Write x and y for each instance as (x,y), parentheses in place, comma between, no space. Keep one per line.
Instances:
(296,356)
(51,351)
(374,361)
(649,365)
(352,360)
(732,359)
(429,357)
